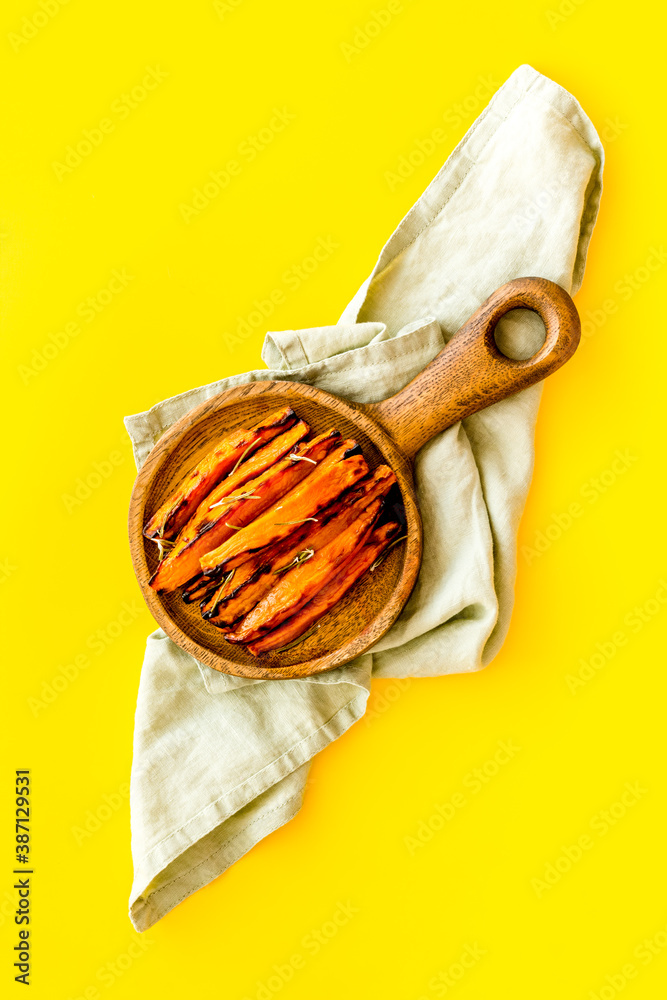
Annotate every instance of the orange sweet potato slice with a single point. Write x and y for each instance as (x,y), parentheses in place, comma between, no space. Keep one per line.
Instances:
(252,580)
(199,588)
(252,467)
(351,570)
(255,578)
(301,584)
(218,462)
(336,473)
(206,528)
(245,504)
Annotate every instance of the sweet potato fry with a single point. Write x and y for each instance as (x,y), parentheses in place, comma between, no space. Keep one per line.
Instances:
(256,577)
(301,584)
(220,460)
(232,584)
(252,467)
(199,588)
(336,473)
(205,529)
(211,602)
(350,571)
(244,506)
(252,581)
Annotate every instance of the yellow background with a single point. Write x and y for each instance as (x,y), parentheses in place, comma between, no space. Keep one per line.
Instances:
(67,572)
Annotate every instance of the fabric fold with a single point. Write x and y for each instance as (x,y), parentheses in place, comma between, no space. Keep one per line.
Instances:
(221,761)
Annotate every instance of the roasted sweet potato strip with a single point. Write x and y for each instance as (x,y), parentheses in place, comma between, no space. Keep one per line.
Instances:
(227,589)
(182,563)
(351,570)
(340,470)
(214,599)
(208,510)
(301,584)
(261,572)
(251,582)
(199,588)
(206,529)
(220,460)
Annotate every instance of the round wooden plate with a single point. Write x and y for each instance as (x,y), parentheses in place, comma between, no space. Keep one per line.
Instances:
(469,374)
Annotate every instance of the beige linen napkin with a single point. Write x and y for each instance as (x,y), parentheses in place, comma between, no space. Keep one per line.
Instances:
(219,761)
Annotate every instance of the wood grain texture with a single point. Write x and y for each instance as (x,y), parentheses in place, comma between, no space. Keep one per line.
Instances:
(469,374)
(361,617)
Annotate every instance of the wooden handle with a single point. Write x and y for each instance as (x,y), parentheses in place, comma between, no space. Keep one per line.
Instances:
(470,373)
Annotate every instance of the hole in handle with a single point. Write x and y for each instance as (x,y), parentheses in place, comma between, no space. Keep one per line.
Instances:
(520,334)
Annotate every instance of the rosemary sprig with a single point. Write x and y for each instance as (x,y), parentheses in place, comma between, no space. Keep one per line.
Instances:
(249,448)
(297,522)
(300,557)
(217,597)
(162,544)
(301,458)
(384,555)
(295,642)
(233,498)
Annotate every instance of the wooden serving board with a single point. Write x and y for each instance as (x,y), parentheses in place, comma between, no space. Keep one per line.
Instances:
(469,374)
